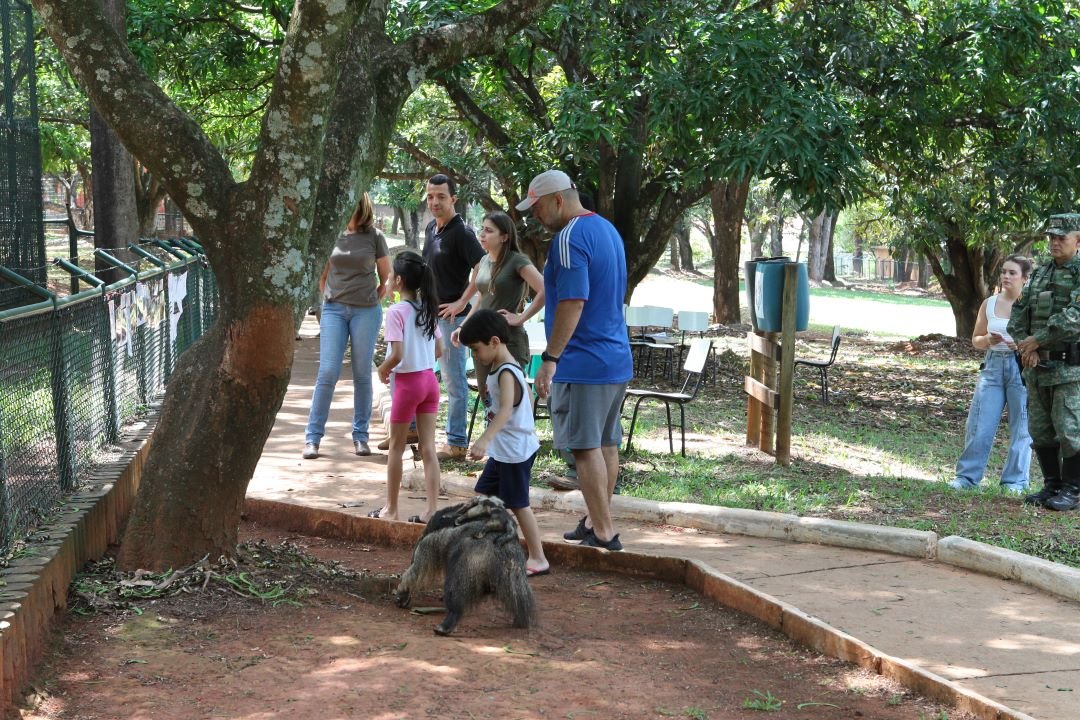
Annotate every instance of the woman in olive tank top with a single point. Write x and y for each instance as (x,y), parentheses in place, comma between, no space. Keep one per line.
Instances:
(503,278)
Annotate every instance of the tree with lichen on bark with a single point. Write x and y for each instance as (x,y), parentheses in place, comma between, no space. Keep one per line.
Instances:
(340,83)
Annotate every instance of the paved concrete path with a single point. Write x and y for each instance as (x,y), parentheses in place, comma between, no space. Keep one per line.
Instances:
(1004,640)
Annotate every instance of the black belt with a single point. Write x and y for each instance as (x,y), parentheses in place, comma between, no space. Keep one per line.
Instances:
(1070,355)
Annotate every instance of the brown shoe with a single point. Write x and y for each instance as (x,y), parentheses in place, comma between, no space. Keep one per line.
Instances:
(451,452)
(412,439)
(559,482)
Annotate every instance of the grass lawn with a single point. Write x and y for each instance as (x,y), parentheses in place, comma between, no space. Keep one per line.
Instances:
(881,452)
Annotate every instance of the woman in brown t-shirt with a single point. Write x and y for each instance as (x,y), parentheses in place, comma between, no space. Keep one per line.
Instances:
(503,278)
(353,284)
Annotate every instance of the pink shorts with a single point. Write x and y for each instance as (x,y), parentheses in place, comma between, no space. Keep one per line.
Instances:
(414,393)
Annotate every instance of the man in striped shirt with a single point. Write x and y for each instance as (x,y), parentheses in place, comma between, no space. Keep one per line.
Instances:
(587,363)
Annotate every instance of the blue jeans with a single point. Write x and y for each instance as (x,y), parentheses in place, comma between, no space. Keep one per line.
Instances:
(999,383)
(452,368)
(360,326)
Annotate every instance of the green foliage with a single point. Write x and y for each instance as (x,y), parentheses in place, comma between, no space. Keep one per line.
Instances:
(969,110)
(216,59)
(764,701)
(63,112)
(869,222)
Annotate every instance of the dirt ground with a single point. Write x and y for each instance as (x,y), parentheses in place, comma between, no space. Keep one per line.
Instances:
(606,646)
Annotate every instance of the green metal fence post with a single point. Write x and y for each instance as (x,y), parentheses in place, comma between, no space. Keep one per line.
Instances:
(166,339)
(111,407)
(6,531)
(65,439)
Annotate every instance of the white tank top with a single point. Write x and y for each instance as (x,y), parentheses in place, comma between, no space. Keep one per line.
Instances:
(997,324)
(517,441)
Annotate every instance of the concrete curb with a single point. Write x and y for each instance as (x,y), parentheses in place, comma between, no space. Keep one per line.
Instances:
(1051,577)
(1048,576)
(824,638)
(756,523)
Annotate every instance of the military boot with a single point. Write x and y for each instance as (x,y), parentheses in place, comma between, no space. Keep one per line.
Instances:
(1051,469)
(1068,498)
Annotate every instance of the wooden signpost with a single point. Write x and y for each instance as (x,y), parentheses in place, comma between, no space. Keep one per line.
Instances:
(767,393)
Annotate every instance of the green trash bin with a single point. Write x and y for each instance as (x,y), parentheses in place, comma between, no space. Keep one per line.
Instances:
(769,295)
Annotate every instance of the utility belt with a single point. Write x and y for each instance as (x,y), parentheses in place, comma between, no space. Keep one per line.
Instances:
(1069,353)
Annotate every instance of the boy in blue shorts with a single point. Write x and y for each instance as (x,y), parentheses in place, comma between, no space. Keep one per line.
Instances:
(510,438)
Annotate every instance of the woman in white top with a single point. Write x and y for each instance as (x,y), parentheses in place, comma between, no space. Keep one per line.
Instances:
(999,385)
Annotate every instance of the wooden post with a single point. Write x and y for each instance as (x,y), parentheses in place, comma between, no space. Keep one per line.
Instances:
(753,405)
(767,390)
(760,388)
(769,380)
(787,364)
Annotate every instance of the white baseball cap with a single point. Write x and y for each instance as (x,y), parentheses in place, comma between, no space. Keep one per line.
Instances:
(550,181)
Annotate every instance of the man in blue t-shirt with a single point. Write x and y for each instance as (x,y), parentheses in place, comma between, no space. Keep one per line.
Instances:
(587,363)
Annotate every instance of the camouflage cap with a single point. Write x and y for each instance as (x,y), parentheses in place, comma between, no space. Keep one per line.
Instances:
(1063,224)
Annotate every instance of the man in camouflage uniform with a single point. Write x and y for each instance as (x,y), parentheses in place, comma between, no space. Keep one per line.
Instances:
(1047,317)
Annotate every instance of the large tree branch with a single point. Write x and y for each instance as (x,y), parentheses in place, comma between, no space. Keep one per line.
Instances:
(149,124)
(487,125)
(413,150)
(523,91)
(291,139)
(478,35)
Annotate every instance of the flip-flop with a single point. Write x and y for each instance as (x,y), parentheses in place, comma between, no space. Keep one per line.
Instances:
(529,572)
(375,513)
(416,519)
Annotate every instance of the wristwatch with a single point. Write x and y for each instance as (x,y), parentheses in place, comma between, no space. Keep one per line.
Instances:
(548,357)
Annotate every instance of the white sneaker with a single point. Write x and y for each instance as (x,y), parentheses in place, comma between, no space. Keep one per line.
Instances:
(311,451)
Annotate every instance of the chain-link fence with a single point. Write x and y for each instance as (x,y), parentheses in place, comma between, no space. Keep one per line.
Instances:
(74,370)
(870,267)
(22,236)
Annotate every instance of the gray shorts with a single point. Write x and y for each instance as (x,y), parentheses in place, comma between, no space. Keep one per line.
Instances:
(584,417)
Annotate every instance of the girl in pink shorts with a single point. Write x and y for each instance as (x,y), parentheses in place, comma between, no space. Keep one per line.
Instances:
(413,339)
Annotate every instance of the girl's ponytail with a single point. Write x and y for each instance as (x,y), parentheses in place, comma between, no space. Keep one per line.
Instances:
(418,278)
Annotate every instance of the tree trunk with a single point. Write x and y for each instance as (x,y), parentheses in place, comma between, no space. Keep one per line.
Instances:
(263,236)
(924,272)
(87,175)
(776,233)
(757,242)
(900,267)
(728,203)
(116,218)
(412,232)
(222,400)
(398,216)
(674,259)
(686,252)
(970,280)
(706,229)
(149,193)
(820,232)
(830,266)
